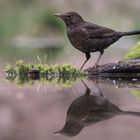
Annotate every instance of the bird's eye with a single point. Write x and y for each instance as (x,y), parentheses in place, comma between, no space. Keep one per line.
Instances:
(68,16)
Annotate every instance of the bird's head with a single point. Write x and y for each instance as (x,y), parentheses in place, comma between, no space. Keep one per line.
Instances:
(70,18)
(71,128)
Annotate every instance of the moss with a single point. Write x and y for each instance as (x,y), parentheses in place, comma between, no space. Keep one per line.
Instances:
(21,68)
(10,70)
(65,81)
(23,73)
(134,53)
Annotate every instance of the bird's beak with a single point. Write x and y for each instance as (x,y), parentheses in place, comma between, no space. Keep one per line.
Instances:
(58,15)
(57,132)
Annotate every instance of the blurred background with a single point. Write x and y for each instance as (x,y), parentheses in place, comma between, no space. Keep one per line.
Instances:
(28,29)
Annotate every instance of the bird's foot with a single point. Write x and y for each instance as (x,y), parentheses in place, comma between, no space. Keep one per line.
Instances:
(81,68)
(91,68)
(95,66)
(88,69)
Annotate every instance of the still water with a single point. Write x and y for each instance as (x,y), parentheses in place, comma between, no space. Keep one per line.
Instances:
(90,108)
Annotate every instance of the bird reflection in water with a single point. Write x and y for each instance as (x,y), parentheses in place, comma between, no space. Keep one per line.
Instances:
(89,109)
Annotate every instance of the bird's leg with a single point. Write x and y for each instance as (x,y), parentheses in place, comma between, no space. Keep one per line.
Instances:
(101,53)
(87,88)
(87,58)
(99,90)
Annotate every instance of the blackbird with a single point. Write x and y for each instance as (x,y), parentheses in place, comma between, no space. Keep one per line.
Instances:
(89,37)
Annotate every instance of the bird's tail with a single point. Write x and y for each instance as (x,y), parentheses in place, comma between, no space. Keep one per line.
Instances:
(129,33)
(137,114)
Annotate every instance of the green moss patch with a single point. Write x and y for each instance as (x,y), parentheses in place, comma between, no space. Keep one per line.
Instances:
(23,73)
(134,53)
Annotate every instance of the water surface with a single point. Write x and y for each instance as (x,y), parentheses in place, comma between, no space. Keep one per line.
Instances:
(105,109)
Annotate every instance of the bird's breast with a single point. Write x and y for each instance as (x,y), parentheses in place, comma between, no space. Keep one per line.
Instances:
(76,38)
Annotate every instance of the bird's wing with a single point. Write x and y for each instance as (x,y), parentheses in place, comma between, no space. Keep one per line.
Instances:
(98,32)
